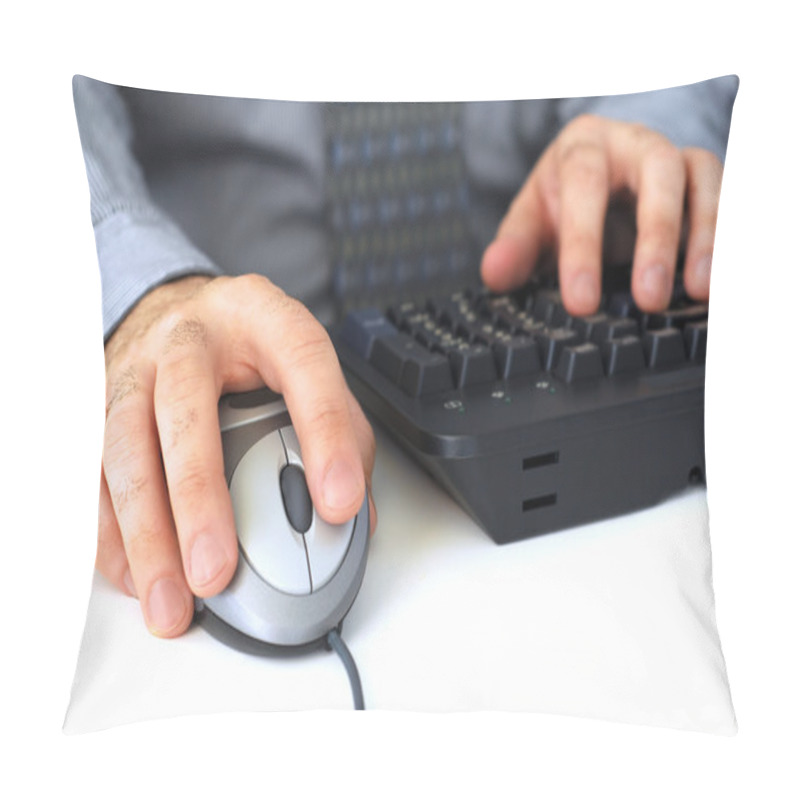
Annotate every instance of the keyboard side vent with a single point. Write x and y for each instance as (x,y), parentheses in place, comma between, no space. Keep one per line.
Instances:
(542,460)
(542,501)
(537,462)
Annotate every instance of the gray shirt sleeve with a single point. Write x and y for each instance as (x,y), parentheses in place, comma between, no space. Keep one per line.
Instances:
(696,115)
(138,246)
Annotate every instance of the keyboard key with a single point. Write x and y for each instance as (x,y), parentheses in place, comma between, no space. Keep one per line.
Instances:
(621,304)
(390,353)
(695,336)
(426,373)
(551,340)
(613,328)
(585,326)
(447,310)
(623,355)
(361,328)
(471,364)
(677,317)
(470,327)
(515,355)
(398,314)
(664,348)
(549,309)
(579,362)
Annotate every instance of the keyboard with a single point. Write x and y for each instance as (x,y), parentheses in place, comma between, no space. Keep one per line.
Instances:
(533,420)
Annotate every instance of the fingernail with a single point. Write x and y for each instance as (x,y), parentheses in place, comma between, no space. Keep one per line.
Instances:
(655,283)
(165,606)
(584,291)
(207,559)
(339,486)
(127,581)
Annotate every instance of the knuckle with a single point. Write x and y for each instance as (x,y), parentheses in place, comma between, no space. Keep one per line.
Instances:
(191,483)
(181,423)
(663,154)
(252,284)
(177,382)
(125,428)
(584,125)
(126,489)
(327,418)
(641,131)
(300,344)
(291,312)
(144,544)
(584,161)
(251,291)
(122,384)
(660,233)
(703,167)
(180,328)
(310,349)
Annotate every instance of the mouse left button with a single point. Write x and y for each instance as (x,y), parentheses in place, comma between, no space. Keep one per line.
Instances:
(275,552)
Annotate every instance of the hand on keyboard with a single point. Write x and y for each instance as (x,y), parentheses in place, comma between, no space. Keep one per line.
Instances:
(562,206)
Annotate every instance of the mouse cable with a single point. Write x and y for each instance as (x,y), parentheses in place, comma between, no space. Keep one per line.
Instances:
(335,641)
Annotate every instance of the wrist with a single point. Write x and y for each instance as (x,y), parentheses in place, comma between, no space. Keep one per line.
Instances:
(151,307)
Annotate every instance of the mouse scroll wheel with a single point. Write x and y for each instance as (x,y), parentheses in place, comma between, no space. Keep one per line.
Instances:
(296,499)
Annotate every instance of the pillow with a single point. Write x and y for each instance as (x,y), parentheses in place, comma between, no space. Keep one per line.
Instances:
(611,620)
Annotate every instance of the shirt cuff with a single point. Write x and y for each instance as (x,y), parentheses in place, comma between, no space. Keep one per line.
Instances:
(136,254)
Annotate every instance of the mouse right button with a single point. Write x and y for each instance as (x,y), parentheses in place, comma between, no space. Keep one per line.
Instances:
(327,546)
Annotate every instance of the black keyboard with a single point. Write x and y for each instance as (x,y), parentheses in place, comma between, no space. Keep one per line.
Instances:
(534,420)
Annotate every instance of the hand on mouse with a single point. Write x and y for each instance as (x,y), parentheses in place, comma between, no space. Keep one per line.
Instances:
(563,203)
(166,527)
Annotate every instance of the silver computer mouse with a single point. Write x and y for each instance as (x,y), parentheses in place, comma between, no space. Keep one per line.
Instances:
(297,574)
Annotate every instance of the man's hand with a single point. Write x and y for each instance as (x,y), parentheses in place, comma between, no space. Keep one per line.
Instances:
(166,526)
(563,203)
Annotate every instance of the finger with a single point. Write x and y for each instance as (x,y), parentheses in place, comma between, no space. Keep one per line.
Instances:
(111,560)
(521,237)
(186,401)
(661,187)
(295,357)
(584,181)
(366,444)
(132,466)
(704,183)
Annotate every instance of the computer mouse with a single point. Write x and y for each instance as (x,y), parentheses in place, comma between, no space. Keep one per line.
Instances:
(297,575)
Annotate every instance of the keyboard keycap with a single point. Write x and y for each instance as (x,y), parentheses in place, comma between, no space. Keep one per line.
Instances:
(621,304)
(695,336)
(426,373)
(586,326)
(579,362)
(664,348)
(515,355)
(550,341)
(390,353)
(614,328)
(361,328)
(623,355)
(677,317)
(549,309)
(471,364)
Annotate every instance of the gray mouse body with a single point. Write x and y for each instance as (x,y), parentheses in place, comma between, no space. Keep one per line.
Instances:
(297,575)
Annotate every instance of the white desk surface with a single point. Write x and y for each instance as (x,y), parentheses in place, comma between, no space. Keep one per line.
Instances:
(613,620)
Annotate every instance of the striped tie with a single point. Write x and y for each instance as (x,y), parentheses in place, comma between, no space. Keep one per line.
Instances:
(397,200)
